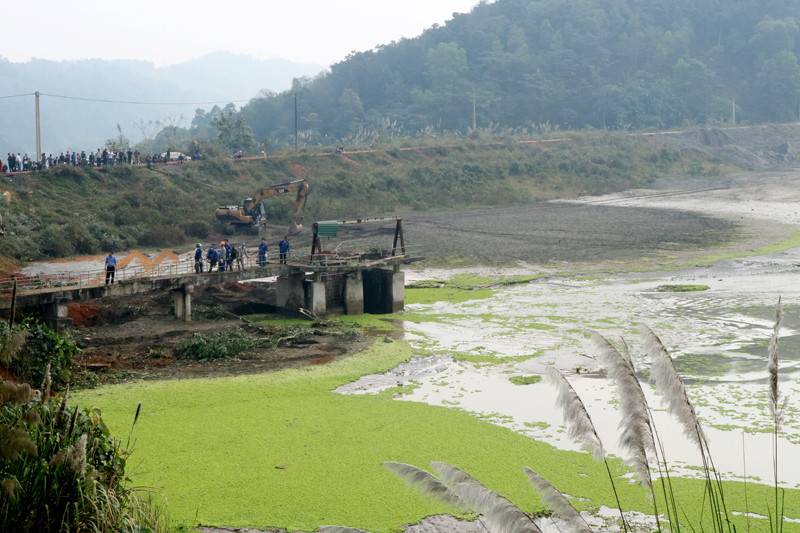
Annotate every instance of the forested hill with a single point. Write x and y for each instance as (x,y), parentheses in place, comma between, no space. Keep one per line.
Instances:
(572,63)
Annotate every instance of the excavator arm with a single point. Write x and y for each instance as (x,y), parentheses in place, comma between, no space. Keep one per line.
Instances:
(300,186)
(250,213)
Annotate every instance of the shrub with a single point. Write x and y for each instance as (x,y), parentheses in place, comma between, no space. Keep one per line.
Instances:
(43,347)
(60,469)
(222,345)
(199,230)
(160,236)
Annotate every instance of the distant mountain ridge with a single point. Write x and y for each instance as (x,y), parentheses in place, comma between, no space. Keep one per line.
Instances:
(77,125)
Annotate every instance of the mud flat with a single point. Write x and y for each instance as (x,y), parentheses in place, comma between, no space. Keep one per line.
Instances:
(716,319)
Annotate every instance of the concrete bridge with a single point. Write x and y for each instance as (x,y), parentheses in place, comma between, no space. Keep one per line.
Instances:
(322,287)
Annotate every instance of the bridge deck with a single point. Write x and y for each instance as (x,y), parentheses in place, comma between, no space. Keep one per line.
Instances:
(89,285)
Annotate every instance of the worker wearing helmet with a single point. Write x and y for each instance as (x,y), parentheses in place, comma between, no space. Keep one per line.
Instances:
(198,259)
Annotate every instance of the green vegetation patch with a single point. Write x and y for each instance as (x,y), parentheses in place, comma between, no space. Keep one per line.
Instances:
(445,294)
(369,322)
(525,380)
(476,281)
(491,359)
(460,288)
(682,288)
(207,346)
(703,364)
(282,449)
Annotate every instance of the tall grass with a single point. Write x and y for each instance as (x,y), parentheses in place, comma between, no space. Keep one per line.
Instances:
(776,410)
(639,438)
(60,468)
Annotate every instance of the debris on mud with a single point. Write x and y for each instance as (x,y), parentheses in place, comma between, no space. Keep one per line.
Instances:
(139,338)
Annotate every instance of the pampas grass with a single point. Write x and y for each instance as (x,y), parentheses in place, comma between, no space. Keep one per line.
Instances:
(579,424)
(499,514)
(47,383)
(426,483)
(638,437)
(773,368)
(772,361)
(636,433)
(559,504)
(456,487)
(580,427)
(671,387)
(11,343)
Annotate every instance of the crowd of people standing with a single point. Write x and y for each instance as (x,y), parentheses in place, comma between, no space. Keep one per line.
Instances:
(99,158)
(102,157)
(228,257)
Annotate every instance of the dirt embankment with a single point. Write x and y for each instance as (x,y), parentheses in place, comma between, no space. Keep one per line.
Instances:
(7,265)
(762,147)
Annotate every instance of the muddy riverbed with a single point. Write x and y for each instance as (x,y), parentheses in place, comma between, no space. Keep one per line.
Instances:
(477,355)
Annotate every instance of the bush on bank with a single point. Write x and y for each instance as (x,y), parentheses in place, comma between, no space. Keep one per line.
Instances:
(60,468)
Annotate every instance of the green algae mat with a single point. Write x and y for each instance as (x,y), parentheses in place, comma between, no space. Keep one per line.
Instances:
(283,449)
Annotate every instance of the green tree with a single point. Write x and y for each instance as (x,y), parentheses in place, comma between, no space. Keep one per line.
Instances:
(233,132)
(778,87)
(349,114)
(447,102)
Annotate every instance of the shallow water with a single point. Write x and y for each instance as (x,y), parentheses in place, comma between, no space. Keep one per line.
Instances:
(718,339)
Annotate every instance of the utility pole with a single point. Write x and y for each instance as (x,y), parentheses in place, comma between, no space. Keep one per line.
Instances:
(295,121)
(38,130)
(474,110)
(733,110)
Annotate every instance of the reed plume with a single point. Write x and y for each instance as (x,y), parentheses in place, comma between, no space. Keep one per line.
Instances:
(425,482)
(775,409)
(580,427)
(47,383)
(15,442)
(11,343)
(772,361)
(579,424)
(671,387)
(15,393)
(636,433)
(499,514)
(559,504)
(62,407)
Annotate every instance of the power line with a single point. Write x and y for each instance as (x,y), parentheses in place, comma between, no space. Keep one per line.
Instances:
(138,102)
(130,102)
(15,95)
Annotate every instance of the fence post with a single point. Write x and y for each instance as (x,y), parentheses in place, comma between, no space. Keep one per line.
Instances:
(13,312)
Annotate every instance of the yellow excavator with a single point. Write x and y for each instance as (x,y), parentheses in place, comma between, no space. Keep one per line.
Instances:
(253,214)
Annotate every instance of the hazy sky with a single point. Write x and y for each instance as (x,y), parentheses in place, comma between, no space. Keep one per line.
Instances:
(170,31)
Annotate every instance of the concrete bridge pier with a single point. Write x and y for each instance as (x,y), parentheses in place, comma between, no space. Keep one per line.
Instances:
(384,291)
(316,296)
(291,291)
(354,294)
(397,282)
(56,314)
(183,303)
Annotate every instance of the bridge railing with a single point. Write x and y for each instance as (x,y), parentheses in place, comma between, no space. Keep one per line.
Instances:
(47,282)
